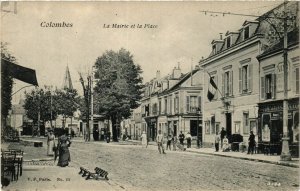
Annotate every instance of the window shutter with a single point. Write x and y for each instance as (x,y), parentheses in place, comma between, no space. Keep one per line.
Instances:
(273,86)
(199,102)
(262,86)
(187,104)
(216,82)
(231,82)
(296,83)
(250,77)
(223,84)
(240,80)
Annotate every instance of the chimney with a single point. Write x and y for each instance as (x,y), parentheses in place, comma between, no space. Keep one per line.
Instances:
(176,73)
(157,74)
(221,38)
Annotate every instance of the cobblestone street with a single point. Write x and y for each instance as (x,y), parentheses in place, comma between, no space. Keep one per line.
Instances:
(134,168)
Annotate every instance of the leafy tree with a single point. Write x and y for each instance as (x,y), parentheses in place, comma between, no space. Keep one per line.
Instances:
(119,86)
(66,103)
(6,85)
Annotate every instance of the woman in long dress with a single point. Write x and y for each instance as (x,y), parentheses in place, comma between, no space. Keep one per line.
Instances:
(63,149)
(50,143)
(144,139)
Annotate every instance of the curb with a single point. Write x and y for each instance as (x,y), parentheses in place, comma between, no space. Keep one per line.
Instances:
(39,160)
(282,163)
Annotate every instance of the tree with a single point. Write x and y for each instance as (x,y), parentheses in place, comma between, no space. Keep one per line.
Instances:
(85,104)
(6,84)
(119,86)
(66,103)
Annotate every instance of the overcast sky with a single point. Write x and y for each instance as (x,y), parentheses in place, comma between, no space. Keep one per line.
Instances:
(183,34)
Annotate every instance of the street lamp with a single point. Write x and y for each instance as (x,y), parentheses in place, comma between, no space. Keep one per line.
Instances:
(198,116)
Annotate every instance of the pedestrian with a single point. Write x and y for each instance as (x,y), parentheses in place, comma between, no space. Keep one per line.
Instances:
(108,137)
(63,148)
(217,140)
(50,143)
(144,139)
(169,141)
(223,134)
(225,144)
(160,142)
(251,142)
(174,139)
(181,138)
(189,140)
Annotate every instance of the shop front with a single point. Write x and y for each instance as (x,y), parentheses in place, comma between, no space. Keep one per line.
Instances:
(152,127)
(271,126)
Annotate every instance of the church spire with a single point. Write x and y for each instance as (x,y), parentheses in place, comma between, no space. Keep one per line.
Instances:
(67,79)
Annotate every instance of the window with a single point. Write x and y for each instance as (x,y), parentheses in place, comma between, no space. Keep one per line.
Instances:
(246,33)
(159,106)
(246,128)
(176,104)
(227,83)
(154,109)
(214,49)
(228,41)
(213,125)
(245,75)
(170,105)
(268,86)
(207,127)
(166,105)
(193,103)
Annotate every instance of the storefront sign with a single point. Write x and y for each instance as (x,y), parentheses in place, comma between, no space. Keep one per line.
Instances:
(275,116)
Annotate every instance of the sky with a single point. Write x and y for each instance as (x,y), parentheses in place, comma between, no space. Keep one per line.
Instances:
(182,35)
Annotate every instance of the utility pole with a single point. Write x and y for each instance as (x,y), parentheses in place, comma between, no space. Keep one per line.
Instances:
(285,152)
(92,102)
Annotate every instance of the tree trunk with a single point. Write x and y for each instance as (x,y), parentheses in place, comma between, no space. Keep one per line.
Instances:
(114,128)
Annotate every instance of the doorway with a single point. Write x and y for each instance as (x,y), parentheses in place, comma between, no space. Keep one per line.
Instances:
(228,125)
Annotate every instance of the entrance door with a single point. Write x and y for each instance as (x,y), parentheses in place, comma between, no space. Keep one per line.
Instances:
(175,128)
(228,125)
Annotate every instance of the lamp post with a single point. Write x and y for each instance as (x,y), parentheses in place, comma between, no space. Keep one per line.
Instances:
(198,116)
(285,153)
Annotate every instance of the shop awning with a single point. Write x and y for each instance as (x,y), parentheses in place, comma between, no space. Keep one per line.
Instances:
(19,72)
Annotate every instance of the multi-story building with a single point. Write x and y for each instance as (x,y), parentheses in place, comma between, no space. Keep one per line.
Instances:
(270,105)
(233,67)
(173,104)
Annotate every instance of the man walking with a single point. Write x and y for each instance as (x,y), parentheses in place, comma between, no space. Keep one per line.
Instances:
(160,142)
(223,134)
(217,140)
(181,138)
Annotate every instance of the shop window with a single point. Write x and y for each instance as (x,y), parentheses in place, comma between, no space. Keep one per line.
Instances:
(265,132)
(296,127)
(246,128)
(237,125)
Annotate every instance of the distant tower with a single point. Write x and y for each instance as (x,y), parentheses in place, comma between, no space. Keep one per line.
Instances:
(67,80)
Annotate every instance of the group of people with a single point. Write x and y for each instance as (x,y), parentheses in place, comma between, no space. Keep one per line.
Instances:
(171,141)
(225,143)
(61,150)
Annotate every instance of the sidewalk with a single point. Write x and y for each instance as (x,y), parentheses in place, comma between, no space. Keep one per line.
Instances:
(273,159)
(57,178)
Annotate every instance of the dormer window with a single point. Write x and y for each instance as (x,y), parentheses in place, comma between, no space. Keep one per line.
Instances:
(228,42)
(214,49)
(246,33)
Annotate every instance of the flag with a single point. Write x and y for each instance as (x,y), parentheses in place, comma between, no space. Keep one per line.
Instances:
(211,95)
(19,72)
